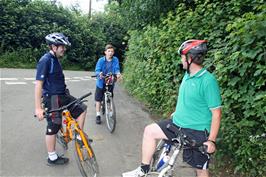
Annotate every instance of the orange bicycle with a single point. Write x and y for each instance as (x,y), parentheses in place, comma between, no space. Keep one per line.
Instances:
(84,154)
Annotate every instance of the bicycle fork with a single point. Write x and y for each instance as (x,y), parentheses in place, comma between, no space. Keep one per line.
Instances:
(83,139)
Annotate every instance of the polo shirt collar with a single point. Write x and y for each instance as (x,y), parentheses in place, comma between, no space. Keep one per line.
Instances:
(198,74)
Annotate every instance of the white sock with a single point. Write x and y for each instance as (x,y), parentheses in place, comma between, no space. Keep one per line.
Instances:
(78,137)
(52,156)
(98,113)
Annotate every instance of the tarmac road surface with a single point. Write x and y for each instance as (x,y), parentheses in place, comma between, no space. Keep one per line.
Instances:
(23,151)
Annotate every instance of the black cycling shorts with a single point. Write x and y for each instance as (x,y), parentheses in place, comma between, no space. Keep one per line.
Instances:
(54,121)
(100,91)
(191,156)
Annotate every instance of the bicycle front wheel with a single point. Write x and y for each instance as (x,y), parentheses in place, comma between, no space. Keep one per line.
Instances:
(86,159)
(110,114)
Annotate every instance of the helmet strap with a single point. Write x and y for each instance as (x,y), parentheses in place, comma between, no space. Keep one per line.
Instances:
(188,64)
(52,49)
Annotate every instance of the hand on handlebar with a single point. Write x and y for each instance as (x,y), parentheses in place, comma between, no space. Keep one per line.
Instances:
(119,76)
(39,113)
(101,75)
(211,147)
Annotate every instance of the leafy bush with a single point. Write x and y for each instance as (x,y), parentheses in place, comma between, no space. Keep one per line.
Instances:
(21,58)
(24,24)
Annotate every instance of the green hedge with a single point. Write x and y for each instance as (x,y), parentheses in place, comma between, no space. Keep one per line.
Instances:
(24,24)
(236,33)
(20,58)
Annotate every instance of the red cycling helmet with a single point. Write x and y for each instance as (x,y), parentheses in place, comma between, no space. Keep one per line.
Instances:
(193,47)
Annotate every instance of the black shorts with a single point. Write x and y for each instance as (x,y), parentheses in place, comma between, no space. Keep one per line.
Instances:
(100,91)
(55,101)
(191,156)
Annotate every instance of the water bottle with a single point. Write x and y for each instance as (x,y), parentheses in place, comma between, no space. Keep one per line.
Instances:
(163,162)
(164,158)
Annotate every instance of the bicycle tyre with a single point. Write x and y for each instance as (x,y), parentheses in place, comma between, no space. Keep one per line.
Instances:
(110,114)
(103,106)
(88,166)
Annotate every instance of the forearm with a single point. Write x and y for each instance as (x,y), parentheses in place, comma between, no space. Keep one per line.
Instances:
(215,124)
(38,94)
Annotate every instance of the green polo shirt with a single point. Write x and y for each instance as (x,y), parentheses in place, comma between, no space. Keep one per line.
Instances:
(197,96)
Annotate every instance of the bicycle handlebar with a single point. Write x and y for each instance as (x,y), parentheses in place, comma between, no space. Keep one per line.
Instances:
(77,101)
(185,140)
(104,76)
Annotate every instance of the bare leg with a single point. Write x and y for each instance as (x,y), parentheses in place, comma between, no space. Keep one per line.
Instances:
(50,142)
(152,133)
(81,120)
(98,106)
(202,173)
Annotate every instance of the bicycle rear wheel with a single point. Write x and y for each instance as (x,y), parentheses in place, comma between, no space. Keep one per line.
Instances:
(110,114)
(86,159)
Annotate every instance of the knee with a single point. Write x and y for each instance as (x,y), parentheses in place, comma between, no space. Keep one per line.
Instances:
(52,130)
(149,131)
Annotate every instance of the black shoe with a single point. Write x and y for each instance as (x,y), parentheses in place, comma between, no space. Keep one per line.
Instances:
(98,120)
(58,161)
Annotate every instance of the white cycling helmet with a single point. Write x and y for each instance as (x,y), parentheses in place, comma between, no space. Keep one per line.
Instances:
(57,39)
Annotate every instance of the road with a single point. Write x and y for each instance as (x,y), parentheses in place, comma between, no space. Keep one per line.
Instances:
(23,151)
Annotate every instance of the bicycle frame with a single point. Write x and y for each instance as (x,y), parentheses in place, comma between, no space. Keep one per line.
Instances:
(70,122)
(86,159)
(172,160)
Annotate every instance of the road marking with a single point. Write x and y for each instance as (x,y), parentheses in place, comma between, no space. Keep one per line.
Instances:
(74,80)
(8,79)
(29,79)
(32,79)
(77,77)
(15,83)
(85,79)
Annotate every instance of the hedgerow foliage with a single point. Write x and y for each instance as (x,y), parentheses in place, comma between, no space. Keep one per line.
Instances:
(236,31)
(24,24)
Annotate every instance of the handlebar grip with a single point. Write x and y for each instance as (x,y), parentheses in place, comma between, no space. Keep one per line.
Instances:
(203,149)
(84,96)
(93,76)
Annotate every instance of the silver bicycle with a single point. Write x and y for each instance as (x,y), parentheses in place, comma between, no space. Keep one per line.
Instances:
(108,105)
(167,151)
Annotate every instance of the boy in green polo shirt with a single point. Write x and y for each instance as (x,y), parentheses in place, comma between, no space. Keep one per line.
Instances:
(197,114)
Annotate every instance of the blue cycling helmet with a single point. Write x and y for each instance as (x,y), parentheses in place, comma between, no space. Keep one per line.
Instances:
(57,39)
